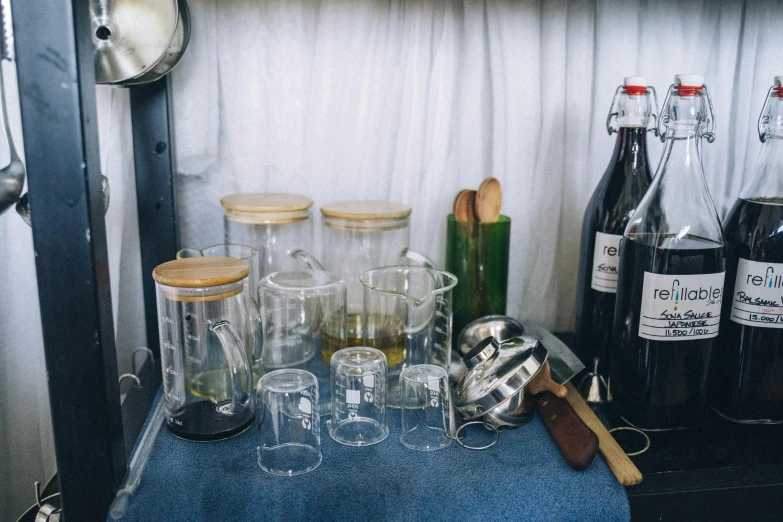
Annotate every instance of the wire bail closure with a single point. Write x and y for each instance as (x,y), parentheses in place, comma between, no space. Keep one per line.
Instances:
(614,113)
(663,121)
(764,117)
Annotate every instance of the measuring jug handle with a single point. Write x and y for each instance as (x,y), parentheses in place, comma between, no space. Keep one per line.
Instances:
(418,259)
(306,260)
(237,364)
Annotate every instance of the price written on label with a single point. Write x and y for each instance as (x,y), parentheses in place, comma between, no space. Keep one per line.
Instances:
(681,307)
(758,294)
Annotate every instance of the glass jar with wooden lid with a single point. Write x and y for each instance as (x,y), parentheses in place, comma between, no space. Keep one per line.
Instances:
(209,346)
(358,236)
(276,224)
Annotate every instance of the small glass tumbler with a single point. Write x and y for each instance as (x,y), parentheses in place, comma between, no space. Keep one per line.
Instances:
(289,423)
(426,415)
(358,386)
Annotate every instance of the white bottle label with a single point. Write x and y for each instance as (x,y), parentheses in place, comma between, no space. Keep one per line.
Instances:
(606,257)
(681,307)
(758,294)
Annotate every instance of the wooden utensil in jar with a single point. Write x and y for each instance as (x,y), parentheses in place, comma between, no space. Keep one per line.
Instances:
(489,199)
(464,206)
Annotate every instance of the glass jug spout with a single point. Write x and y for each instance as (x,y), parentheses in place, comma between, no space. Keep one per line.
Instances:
(237,363)
(416,284)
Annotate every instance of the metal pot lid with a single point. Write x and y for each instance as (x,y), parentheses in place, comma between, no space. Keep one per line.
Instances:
(130,36)
(497,379)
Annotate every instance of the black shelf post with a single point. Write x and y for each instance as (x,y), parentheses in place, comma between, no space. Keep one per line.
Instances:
(153,153)
(54,55)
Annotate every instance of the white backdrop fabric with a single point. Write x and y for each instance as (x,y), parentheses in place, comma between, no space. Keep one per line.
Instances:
(407,101)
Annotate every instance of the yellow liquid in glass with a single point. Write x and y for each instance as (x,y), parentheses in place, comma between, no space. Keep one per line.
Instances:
(388,336)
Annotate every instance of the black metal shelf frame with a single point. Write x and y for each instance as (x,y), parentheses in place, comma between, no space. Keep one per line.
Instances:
(54,58)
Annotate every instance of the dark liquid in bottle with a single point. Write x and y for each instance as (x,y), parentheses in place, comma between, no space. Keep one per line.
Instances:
(619,192)
(205,420)
(659,385)
(746,374)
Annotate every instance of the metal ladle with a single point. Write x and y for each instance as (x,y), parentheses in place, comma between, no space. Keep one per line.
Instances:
(12,176)
(23,206)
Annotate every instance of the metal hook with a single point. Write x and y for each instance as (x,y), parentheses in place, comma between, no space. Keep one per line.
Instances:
(763,117)
(141,349)
(612,112)
(130,375)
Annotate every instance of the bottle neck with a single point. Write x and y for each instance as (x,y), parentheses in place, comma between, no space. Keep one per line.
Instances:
(767,181)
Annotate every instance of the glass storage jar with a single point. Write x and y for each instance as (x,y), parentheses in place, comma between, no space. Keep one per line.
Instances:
(276,224)
(358,236)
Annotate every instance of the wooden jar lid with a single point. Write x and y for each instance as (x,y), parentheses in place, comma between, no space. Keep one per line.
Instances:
(266,207)
(200,272)
(366,210)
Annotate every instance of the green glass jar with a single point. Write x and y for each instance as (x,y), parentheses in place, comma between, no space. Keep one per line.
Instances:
(477,253)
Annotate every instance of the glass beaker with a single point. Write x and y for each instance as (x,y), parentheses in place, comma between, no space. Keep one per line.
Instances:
(275,224)
(303,317)
(407,316)
(207,346)
(358,236)
(289,423)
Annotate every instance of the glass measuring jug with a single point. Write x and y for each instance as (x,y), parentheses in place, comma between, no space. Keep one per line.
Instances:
(208,346)
(408,316)
(275,224)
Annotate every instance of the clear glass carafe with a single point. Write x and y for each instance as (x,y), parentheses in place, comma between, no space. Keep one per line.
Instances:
(746,371)
(632,115)
(275,224)
(358,236)
(408,316)
(208,346)
(671,273)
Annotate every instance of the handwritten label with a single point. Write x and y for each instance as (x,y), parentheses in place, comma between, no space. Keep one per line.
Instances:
(606,257)
(758,294)
(681,307)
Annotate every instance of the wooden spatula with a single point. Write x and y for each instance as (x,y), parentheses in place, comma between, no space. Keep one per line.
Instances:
(464,206)
(489,198)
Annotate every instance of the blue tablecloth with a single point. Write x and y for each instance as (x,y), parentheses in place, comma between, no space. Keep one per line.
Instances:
(522,477)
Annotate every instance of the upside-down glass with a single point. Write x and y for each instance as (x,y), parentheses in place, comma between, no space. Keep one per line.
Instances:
(207,345)
(358,387)
(407,314)
(275,224)
(303,316)
(357,236)
(425,407)
(289,424)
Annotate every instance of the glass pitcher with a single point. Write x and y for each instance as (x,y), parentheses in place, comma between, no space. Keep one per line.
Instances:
(407,314)
(208,346)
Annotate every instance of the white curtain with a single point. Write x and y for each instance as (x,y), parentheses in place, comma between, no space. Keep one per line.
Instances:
(408,101)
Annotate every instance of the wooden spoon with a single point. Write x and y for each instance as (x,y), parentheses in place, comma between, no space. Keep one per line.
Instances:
(464,206)
(489,198)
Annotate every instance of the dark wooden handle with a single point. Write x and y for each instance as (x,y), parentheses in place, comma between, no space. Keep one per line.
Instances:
(576,442)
